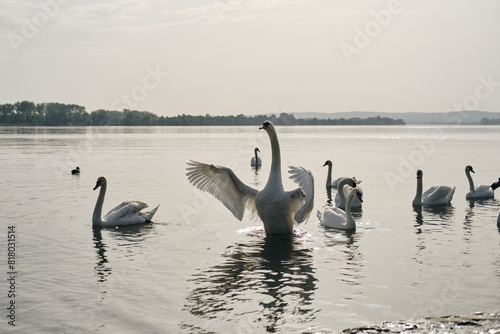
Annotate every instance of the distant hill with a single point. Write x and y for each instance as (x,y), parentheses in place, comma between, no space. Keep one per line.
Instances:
(452,117)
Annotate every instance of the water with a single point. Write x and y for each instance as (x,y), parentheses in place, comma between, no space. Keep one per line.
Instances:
(199,270)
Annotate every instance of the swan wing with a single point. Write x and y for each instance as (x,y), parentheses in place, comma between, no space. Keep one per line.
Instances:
(484,190)
(224,185)
(128,212)
(335,218)
(438,195)
(305,180)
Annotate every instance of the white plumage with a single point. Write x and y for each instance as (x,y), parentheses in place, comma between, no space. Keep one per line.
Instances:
(334,183)
(338,218)
(436,195)
(127,213)
(479,191)
(344,188)
(278,209)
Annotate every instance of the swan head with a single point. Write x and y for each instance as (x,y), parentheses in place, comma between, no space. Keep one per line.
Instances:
(496,184)
(267,125)
(327,163)
(468,168)
(359,195)
(419,173)
(256,149)
(100,181)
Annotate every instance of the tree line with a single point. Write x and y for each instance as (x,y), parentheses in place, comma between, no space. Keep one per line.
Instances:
(56,114)
(489,121)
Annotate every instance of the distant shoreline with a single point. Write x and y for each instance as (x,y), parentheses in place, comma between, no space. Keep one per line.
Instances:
(27,113)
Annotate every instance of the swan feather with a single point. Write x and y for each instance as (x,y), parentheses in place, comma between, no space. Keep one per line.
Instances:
(126,213)
(304,178)
(223,184)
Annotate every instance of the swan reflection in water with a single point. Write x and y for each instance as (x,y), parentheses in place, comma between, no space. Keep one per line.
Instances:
(439,215)
(127,236)
(267,283)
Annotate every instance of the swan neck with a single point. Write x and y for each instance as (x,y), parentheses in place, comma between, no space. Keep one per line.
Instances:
(471,183)
(350,220)
(256,156)
(418,196)
(329,176)
(340,189)
(96,217)
(275,173)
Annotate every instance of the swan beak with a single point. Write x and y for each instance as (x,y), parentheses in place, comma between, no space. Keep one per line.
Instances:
(96,186)
(264,126)
(359,197)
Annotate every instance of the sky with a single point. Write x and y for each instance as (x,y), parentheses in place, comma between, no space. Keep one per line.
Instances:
(228,57)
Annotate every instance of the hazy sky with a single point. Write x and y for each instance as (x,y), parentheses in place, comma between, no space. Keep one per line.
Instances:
(252,56)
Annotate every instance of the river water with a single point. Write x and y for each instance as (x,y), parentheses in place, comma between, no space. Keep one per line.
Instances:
(197,269)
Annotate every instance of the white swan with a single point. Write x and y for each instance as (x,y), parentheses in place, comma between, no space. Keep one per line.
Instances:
(278,209)
(338,218)
(344,187)
(334,183)
(436,195)
(479,191)
(127,213)
(256,162)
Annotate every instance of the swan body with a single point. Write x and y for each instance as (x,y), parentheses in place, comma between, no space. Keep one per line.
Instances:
(334,183)
(338,218)
(436,195)
(344,187)
(278,209)
(256,162)
(479,191)
(76,170)
(127,213)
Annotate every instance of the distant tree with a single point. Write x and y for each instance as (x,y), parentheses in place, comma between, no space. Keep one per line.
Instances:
(7,113)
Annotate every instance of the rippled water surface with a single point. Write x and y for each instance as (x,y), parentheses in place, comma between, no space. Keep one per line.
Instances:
(197,269)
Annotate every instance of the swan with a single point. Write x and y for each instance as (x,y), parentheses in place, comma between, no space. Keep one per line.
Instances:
(127,213)
(278,209)
(436,195)
(338,218)
(344,187)
(256,162)
(76,170)
(335,182)
(480,191)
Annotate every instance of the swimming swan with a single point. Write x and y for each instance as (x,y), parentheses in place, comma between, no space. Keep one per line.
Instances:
(256,162)
(127,213)
(338,218)
(345,186)
(480,191)
(76,170)
(436,195)
(335,182)
(278,209)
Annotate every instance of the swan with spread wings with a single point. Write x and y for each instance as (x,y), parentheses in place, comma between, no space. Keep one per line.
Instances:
(278,209)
